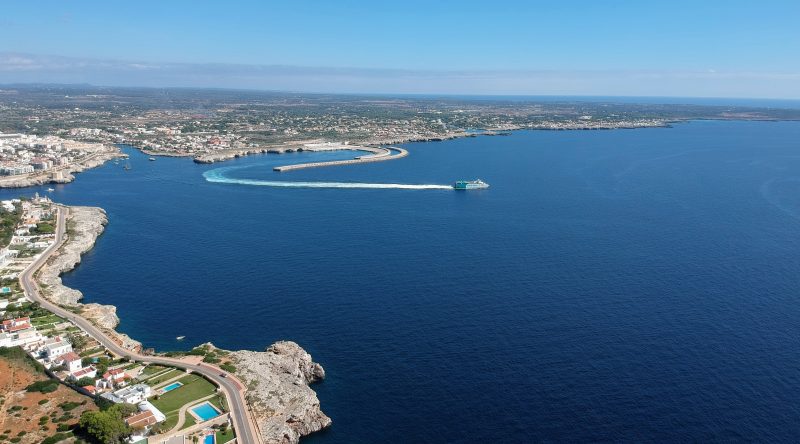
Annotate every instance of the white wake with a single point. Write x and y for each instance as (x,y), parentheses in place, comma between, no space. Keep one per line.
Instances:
(217,177)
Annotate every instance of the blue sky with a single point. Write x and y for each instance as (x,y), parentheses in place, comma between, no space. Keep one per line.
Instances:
(676,48)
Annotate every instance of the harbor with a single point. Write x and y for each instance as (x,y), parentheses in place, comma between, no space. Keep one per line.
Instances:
(378,155)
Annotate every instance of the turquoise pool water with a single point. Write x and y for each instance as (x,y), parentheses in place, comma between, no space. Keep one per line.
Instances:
(205,411)
(209,439)
(171,387)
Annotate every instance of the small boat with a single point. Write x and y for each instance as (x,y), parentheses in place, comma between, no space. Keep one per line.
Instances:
(470,185)
(127,166)
(152,159)
(180,338)
(50,190)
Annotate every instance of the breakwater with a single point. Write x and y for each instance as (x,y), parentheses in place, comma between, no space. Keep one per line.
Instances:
(378,155)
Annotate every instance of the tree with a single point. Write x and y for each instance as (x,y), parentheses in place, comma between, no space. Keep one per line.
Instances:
(106,426)
(83,382)
(78,341)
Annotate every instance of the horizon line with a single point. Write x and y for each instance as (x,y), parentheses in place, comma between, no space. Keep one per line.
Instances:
(9,85)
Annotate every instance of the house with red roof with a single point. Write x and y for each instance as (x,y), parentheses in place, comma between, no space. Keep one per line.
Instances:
(71,361)
(15,325)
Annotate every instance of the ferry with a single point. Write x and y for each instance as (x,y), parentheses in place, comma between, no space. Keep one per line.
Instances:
(470,185)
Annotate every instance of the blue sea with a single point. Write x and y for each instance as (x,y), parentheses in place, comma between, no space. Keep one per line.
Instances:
(630,285)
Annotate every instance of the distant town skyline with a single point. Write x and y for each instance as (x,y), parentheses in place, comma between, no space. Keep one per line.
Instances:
(708,49)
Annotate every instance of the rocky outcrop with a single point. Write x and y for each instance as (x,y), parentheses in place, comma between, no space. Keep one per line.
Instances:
(284,406)
(84,225)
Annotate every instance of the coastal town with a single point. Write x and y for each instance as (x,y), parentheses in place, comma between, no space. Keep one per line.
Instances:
(155,403)
(220,125)
(116,390)
(27,160)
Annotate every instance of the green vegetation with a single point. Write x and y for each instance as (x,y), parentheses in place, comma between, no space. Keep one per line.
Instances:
(46,320)
(194,388)
(158,379)
(224,434)
(77,340)
(8,223)
(83,382)
(58,437)
(46,386)
(44,228)
(230,368)
(107,426)
(67,406)
(151,370)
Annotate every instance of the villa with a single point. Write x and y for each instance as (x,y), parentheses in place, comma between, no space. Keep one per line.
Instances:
(55,347)
(141,420)
(147,406)
(129,395)
(16,325)
(71,362)
(18,332)
(113,378)
(86,372)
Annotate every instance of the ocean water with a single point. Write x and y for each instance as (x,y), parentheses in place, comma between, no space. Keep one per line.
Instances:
(631,285)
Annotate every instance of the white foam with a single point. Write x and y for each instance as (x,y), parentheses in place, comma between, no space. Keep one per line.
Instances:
(217,176)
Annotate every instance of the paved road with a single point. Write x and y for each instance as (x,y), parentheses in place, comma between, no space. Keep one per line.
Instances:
(245,429)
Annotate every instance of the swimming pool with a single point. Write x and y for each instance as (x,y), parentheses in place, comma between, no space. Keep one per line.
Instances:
(171,387)
(209,439)
(205,411)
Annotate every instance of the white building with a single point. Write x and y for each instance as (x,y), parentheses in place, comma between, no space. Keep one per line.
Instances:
(55,347)
(86,372)
(71,362)
(130,395)
(146,406)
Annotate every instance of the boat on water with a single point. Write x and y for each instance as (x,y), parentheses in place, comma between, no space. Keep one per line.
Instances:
(181,338)
(127,166)
(152,159)
(470,185)
(50,190)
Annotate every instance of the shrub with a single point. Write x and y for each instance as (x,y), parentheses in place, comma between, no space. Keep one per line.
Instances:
(67,406)
(55,438)
(46,386)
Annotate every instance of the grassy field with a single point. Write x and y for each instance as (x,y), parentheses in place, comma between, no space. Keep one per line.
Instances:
(194,387)
(151,370)
(223,437)
(45,320)
(154,381)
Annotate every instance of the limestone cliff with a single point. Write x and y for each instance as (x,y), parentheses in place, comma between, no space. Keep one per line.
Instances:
(84,225)
(285,408)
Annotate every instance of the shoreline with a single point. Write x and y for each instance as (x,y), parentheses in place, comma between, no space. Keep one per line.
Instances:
(277,379)
(293,146)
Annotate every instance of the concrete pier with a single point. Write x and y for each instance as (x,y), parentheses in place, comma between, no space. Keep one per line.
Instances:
(377,155)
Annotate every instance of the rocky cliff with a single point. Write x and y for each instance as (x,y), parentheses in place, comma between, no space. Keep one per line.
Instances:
(84,225)
(284,406)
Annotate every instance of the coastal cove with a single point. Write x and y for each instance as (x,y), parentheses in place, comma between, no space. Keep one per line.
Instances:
(601,271)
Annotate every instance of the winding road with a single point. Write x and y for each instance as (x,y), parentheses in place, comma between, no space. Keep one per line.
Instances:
(234,393)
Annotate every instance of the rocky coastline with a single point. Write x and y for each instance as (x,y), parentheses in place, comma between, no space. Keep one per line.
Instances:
(288,147)
(284,407)
(84,226)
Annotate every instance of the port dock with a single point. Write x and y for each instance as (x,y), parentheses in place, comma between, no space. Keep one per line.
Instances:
(376,155)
